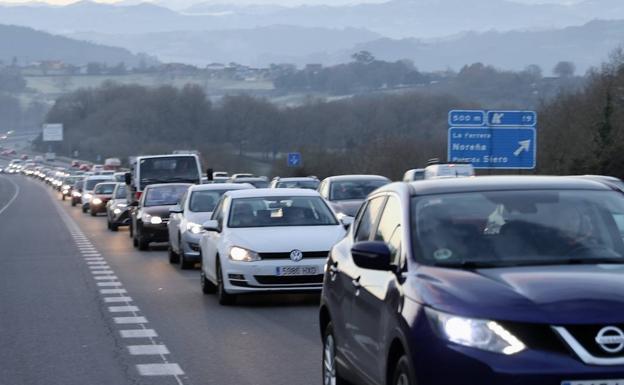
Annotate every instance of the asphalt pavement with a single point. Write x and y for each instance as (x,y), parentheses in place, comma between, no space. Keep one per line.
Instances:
(80,305)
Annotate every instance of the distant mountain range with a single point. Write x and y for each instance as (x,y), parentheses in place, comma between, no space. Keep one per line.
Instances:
(587,45)
(395,18)
(27,46)
(257,47)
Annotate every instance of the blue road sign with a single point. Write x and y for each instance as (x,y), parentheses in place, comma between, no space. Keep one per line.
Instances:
(294,159)
(493,147)
(510,119)
(466,118)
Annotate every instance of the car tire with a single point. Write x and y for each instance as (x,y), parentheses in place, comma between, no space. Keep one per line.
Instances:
(224,297)
(402,373)
(93,213)
(330,370)
(73,203)
(84,210)
(207,286)
(142,242)
(114,227)
(62,197)
(131,231)
(173,256)
(184,263)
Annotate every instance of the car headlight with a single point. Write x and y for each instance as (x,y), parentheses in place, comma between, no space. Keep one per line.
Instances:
(476,333)
(77,194)
(155,220)
(243,255)
(96,201)
(194,228)
(116,211)
(87,196)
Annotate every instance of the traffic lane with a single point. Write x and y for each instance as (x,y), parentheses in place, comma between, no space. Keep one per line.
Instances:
(267,339)
(8,190)
(52,326)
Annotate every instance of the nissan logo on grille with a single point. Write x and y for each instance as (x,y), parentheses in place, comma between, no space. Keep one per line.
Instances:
(296,255)
(611,339)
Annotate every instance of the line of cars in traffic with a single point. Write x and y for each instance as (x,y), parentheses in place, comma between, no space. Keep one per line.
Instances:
(450,281)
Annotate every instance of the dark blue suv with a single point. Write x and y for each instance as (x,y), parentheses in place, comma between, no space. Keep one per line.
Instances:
(479,281)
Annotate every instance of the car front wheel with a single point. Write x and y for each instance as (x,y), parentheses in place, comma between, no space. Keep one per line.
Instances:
(207,286)
(402,373)
(330,371)
(224,297)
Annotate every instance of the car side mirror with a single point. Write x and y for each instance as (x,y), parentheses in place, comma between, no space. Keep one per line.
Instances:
(176,210)
(347,221)
(128,178)
(134,204)
(212,225)
(373,255)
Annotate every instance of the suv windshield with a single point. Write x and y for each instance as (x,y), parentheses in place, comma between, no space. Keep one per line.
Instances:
(354,189)
(164,195)
(280,211)
(309,184)
(506,228)
(169,169)
(105,188)
(205,201)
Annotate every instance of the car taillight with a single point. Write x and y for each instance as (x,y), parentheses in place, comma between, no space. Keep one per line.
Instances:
(137,195)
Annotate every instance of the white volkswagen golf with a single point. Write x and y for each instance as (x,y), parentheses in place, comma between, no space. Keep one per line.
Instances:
(267,240)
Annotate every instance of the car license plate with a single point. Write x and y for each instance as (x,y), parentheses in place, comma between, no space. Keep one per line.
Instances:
(594,382)
(297,270)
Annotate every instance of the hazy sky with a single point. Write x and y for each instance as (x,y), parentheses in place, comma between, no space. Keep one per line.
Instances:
(282,2)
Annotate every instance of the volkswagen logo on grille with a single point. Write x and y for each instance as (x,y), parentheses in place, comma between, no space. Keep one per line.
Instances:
(610,339)
(296,255)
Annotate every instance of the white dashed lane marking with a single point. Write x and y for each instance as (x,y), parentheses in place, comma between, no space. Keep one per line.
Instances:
(110,285)
(137,350)
(117,299)
(120,309)
(138,333)
(129,320)
(160,370)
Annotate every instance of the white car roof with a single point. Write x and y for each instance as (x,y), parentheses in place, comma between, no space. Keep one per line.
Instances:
(271,192)
(221,186)
(297,179)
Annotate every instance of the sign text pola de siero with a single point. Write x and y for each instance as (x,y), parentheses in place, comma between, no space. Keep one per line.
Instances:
(52,133)
(493,139)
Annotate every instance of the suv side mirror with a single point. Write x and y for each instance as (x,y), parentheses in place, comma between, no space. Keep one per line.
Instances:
(212,225)
(128,178)
(374,255)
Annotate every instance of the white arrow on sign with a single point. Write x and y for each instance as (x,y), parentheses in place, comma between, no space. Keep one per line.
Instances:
(524,146)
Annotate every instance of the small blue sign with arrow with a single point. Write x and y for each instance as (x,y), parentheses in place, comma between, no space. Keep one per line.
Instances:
(294,159)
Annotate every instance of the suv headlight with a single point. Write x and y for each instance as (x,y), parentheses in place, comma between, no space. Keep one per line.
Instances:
(476,333)
(194,228)
(243,255)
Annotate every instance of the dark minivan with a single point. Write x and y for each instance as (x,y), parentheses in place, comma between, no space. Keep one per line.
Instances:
(489,280)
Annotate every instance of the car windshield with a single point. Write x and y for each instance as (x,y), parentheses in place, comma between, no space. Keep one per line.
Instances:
(280,211)
(308,184)
(90,183)
(205,201)
(104,188)
(510,228)
(354,189)
(164,195)
(169,169)
(120,193)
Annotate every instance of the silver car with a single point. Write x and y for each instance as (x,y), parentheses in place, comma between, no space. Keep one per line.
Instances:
(346,193)
(186,219)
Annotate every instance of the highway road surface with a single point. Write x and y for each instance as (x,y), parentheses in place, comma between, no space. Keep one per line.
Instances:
(80,306)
